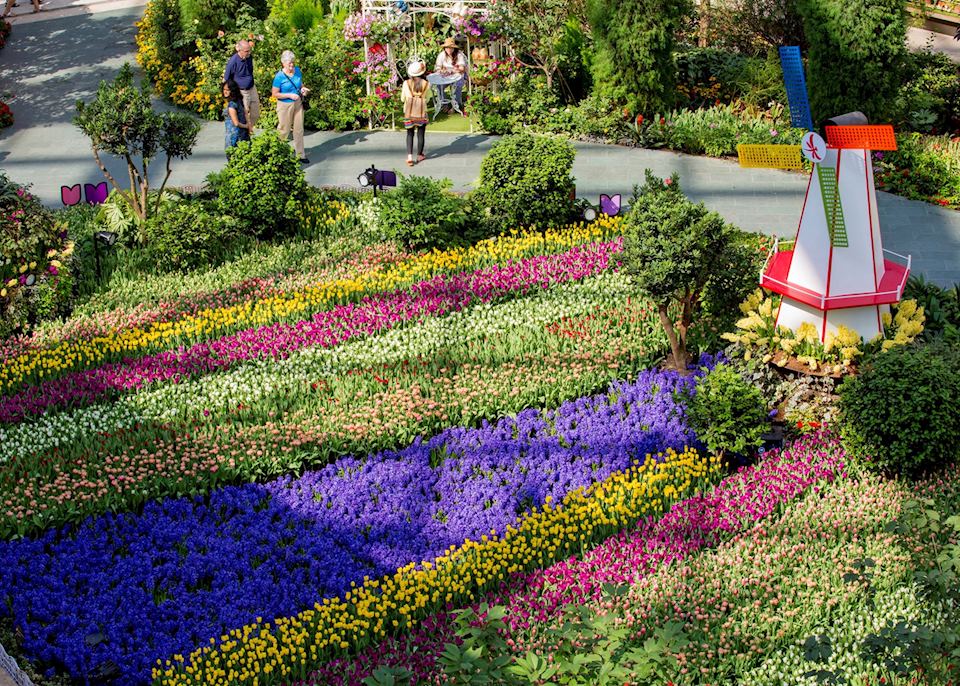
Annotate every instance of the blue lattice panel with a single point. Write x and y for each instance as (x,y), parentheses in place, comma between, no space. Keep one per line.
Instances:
(796,84)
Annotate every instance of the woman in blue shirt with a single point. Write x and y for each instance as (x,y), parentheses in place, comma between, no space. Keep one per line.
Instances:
(289,91)
(234,116)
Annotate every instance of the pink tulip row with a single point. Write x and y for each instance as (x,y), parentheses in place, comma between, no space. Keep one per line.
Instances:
(535,599)
(434,297)
(144,314)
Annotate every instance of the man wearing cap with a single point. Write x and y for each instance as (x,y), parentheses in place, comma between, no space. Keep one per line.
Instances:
(240,69)
(451,62)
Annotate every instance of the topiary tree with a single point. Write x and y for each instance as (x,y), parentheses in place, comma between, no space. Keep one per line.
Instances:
(902,413)
(727,413)
(422,212)
(527,180)
(120,121)
(634,50)
(263,185)
(673,249)
(857,55)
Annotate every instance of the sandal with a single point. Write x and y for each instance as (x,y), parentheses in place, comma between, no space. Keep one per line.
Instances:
(421,158)
(409,163)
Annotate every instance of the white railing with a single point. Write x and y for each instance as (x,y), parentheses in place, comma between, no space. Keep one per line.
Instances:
(824,299)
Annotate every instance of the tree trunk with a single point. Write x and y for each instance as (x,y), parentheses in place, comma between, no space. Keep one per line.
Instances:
(704,23)
(677,350)
(113,181)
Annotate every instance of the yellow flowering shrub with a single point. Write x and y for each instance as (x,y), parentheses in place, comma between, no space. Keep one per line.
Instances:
(758,334)
(287,648)
(44,363)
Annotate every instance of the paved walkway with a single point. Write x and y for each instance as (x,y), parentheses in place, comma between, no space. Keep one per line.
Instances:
(47,68)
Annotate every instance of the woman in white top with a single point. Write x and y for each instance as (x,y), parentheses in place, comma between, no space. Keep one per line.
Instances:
(452,62)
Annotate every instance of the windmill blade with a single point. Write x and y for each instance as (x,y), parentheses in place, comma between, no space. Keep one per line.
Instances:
(796,84)
(770,156)
(865,137)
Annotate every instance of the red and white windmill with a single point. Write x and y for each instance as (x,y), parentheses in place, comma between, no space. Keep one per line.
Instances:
(836,272)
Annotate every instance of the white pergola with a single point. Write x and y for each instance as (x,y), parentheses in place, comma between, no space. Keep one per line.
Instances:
(390,9)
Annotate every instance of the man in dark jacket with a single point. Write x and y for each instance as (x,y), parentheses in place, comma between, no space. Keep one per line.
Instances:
(240,69)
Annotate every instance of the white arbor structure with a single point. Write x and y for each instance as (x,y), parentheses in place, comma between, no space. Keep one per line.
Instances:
(406,14)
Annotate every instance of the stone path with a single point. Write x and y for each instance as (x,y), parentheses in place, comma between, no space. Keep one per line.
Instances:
(49,64)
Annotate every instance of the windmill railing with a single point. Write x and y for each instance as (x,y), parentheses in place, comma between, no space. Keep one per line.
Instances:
(890,289)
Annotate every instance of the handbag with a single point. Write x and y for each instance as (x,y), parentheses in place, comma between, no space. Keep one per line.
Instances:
(304,101)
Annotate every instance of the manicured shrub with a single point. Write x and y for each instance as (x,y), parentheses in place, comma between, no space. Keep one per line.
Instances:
(856,57)
(727,413)
(672,249)
(902,413)
(634,50)
(422,212)
(187,235)
(526,180)
(263,185)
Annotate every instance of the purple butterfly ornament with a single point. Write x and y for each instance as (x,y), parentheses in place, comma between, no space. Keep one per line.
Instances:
(610,205)
(95,194)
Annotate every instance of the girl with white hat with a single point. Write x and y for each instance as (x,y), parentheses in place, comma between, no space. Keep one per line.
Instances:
(415,92)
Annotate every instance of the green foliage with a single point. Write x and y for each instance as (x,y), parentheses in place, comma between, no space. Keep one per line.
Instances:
(35,262)
(335,102)
(929,98)
(263,185)
(187,235)
(634,58)
(423,213)
(526,180)
(941,308)
(856,57)
(585,649)
(304,14)
(718,130)
(921,168)
(672,249)
(727,413)
(120,121)
(902,413)
(753,27)
(203,18)
(733,281)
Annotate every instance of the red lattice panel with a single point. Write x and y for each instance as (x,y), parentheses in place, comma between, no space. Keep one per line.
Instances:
(874,137)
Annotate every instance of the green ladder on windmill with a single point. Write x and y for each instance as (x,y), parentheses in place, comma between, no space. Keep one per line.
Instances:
(831,205)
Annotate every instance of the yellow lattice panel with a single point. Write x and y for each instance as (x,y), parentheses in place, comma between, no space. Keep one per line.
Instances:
(770,156)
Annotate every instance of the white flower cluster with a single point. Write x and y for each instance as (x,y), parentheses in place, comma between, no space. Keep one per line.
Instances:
(847,634)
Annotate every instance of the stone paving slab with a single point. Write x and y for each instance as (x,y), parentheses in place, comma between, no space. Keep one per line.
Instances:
(48,69)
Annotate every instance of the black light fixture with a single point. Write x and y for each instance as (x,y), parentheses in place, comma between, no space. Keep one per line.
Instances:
(376,178)
(108,238)
(590,213)
(368,177)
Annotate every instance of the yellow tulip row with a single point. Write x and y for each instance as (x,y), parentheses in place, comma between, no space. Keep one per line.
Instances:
(46,363)
(264,653)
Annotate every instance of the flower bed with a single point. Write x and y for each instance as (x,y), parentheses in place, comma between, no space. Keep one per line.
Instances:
(82,353)
(280,385)
(434,297)
(536,601)
(354,409)
(162,582)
